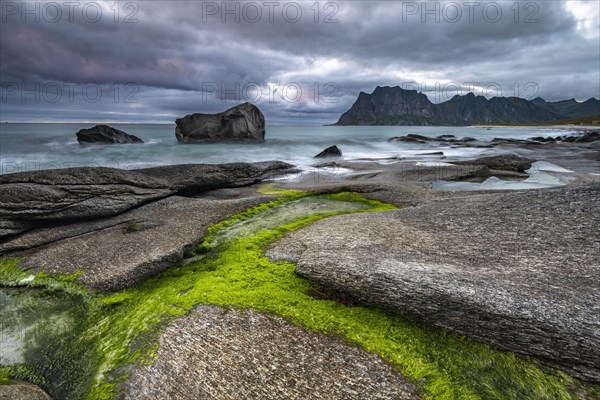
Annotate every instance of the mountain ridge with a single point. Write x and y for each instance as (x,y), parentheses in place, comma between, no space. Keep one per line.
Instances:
(396,106)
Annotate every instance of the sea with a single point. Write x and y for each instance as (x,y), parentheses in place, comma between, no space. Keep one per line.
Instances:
(30,147)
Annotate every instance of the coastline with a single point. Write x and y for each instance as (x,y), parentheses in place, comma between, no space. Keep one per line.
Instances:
(188,201)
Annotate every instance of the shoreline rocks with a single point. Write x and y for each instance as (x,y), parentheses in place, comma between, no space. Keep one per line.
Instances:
(518,270)
(104,134)
(504,162)
(242,123)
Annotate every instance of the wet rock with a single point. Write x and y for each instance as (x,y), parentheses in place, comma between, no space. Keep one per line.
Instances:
(517,270)
(104,134)
(411,137)
(507,162)
(22,391)
(242,123)
(116,253)
(331,151)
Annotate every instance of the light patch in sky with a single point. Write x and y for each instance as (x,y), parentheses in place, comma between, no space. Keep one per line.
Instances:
(587,14)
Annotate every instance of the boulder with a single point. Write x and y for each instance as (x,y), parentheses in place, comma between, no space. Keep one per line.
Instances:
(242,123)
(332,151)
(517,270)
(589,137)
(104,134)
(411,137)
(506,162)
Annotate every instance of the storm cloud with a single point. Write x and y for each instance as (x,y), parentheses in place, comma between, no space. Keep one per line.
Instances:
(301,62)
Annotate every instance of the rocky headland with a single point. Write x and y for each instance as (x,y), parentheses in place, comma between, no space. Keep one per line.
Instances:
(396,106)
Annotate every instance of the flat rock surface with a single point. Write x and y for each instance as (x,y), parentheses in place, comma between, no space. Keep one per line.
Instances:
(22,391)
(518,270)
(118,252)
(215,353)
(31,199)
(75,193)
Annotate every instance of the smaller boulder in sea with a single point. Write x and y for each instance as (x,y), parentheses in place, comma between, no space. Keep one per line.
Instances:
(332,151)
(104,134)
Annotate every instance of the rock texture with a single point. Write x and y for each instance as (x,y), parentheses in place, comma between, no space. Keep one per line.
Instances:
(75,193)
(32,199)
(331,151)
(120,227)
(507,162)
(242,123)
(118,252)
(22,391)
(517,270)
(221,354)
(104,134)
(397,106)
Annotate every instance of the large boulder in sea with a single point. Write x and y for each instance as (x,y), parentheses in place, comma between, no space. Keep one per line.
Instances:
(242,123)
(104,134)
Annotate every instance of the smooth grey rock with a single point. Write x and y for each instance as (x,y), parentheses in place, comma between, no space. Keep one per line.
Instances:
(331,151)
(118,252)
(198,178)
(229,354)
(507,162)
(94,192)
(75,193)
(242,123)
(517,270)
(104,134)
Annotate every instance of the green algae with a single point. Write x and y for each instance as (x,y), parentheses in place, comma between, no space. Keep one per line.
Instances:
(232,271)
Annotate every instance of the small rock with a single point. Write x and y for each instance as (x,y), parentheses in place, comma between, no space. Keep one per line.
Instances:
(332,151)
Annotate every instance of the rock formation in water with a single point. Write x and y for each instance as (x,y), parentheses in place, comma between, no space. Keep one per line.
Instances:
(331,151)
(242,123)
(104,134)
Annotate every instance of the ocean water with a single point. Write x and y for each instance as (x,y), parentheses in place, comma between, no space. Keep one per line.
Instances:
(27,147)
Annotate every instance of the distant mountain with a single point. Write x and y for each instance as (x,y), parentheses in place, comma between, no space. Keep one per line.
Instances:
(397,106)
(570,108)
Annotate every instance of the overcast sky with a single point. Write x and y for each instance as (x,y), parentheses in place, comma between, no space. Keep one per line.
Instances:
(301,62)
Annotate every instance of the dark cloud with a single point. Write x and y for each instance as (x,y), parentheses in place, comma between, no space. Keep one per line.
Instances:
(182,57)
